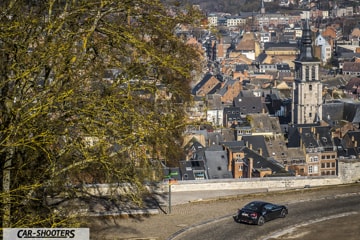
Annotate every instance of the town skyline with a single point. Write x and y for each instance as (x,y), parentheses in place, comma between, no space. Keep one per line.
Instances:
(267,90)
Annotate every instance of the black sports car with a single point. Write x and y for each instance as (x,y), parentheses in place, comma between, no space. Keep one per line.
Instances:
(259,212)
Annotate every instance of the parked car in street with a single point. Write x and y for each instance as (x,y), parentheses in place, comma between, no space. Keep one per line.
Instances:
(259,212)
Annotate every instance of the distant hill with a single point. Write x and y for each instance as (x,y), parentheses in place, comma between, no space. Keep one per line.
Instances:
(230,6)
(236,6)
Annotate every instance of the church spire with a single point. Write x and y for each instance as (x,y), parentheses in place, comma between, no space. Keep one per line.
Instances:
(306,53)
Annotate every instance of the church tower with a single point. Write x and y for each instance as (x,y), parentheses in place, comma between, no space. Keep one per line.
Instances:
(262,9)
(307,88)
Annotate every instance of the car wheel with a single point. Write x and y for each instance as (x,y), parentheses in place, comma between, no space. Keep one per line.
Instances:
(261,221)
(283,213)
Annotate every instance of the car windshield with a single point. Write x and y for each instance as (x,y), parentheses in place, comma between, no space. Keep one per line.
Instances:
(253,206)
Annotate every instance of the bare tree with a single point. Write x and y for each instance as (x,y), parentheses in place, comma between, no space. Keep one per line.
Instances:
(92,91)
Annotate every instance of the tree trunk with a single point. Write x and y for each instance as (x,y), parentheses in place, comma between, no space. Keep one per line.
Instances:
(6,221)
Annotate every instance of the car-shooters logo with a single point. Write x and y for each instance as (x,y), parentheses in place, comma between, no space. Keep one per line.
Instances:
(47,233)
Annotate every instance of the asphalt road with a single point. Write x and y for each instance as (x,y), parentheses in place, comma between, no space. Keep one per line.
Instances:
(335,217)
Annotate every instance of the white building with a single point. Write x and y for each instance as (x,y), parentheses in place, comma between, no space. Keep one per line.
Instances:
(325,48)
(235,21)
(213,20)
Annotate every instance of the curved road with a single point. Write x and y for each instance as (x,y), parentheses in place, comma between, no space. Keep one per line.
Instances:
(335,217)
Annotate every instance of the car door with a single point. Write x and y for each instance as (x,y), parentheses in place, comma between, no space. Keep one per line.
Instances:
(266,212)
(271,211)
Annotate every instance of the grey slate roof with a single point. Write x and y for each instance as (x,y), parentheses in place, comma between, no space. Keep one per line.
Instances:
(294,134)
(215,138)
(248,105)
(352,112)
(308,138)
(256,142)
(332,112)
(283,67)
(232,114)
(347,55)
(228,85)
(188,168)
(241,67)
(260,162)
(341,110)
(311,136)
(324,137)
(348,145)
(353,84)
(234,144)
(217,162)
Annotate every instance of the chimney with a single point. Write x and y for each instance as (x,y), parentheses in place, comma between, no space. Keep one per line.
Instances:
(250,167)
(260,151)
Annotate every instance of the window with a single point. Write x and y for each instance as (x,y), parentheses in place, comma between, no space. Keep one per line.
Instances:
(313,71)
(316,159)
(310,169)
(307,73)
(310,87)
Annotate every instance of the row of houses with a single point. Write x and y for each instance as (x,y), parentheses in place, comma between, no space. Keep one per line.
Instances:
(312,150)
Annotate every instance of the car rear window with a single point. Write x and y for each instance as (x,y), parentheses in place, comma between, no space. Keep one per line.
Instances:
(253,206)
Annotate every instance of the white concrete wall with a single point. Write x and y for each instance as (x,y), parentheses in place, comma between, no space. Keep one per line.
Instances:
(271,184)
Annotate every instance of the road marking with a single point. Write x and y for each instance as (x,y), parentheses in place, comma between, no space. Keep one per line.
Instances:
(292,229)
